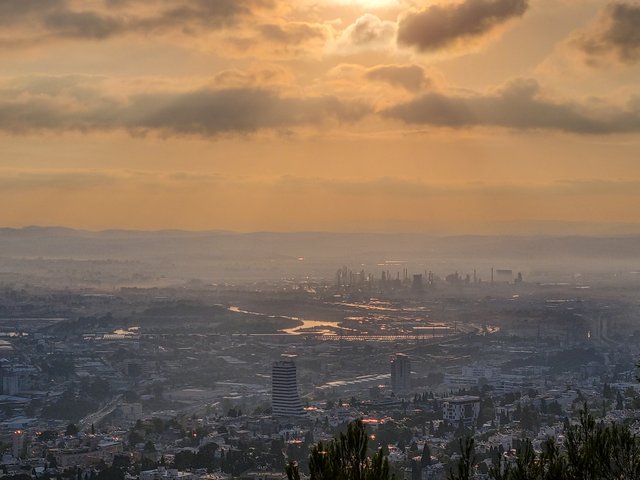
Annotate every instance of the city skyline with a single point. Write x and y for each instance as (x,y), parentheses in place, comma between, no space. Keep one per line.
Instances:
(473,116)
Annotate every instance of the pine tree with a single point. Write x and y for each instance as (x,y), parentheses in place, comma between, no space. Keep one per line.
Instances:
(344,458)
(425,461)
(464,469)
(591,451)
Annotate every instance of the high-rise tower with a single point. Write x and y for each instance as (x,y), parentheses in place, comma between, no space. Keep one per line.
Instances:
(400,374)
(285,401)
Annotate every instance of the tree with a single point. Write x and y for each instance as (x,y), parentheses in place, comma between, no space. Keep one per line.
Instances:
(71,430)
(599,451)
(53,463)
(111,473)
(554,408)
(425,460)
(402,446)
(308,438)
(467,459)
(345,458)
(149,447)
(183,460)
(135,437)
(121,461)
(48,435)
(206,456)
(592,451)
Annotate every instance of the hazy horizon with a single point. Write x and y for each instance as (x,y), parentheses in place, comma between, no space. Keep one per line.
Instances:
(115,258)
(542,228)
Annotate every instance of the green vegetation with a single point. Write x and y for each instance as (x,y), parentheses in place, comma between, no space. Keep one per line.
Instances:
(345,458)
(592,451)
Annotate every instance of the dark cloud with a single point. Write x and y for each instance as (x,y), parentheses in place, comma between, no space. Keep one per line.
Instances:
(90,25)
(186,14)
(440,26)
(80,103)
(13,11)
(616,33)
(206,112)
(210,112)
(59,18)
(518,106)
(409,77)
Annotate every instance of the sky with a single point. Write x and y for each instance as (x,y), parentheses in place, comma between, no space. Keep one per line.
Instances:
(440,116)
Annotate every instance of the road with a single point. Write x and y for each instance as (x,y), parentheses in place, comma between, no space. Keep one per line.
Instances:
(96,417)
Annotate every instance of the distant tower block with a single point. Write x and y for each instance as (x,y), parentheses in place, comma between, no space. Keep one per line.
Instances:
(417,284)
(285,401)
(400,374)
(504,275)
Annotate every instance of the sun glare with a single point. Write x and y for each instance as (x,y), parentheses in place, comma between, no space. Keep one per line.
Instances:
(370,3)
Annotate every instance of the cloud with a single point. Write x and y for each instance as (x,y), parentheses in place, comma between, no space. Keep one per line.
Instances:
(368,32)
(614,35)
(380,85)
(36,21)
(277,40)
(13,11)
(518,105)
(55,180)
(206,14)
(441,26)
(407,187)
(234,103)
(267,76)
(90,179)
(89,25)
(392,186)
(62,104)
(293,32)
(409,77)
(211,112)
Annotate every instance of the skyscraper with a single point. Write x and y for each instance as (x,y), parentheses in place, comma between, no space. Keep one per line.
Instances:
(285,401)
(400,374)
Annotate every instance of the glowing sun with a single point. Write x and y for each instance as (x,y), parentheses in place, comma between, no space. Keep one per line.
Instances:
(371,3)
